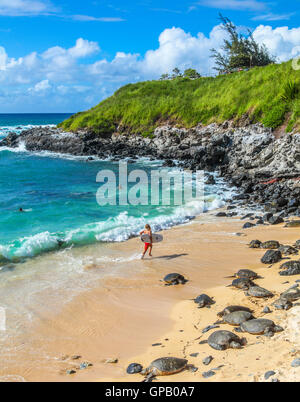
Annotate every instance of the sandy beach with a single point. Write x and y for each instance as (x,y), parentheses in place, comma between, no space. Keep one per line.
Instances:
(125,315)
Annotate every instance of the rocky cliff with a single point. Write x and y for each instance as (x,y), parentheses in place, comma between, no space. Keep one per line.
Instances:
(266,169)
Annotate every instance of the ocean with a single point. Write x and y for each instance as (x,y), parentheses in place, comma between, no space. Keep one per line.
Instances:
(58,196)
(45,249)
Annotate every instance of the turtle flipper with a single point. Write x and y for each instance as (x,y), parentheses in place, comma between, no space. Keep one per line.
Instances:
(149,378)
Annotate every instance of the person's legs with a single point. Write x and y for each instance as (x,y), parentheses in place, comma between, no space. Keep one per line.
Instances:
(150,250)
(145,250)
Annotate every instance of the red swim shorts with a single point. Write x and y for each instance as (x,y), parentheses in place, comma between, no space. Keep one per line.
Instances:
(147,245)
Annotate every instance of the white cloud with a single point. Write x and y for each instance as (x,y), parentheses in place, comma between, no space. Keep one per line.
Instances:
(88,18)
(72,79)
(181,49)
(41,86)
(280,41)
(25,7)
(234,4)
(3,58)
(83,48)
(273,17)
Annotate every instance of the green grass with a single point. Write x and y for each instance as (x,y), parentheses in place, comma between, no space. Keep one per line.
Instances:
(267,94)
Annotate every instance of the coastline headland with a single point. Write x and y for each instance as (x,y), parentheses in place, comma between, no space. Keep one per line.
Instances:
(265,168)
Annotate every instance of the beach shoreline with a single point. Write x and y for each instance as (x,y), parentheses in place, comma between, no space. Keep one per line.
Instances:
(122,317)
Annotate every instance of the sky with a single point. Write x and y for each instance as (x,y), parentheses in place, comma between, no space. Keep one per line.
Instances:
(68,55)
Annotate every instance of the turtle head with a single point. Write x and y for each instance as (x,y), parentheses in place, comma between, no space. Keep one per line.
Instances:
(243,341)
(235,345)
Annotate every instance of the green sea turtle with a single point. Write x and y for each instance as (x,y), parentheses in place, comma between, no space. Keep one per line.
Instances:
(260,326)
(282,304)
(255,244)
(222,340)
(292,224)
(242,283)
(271,257)
(291,294)
(257,291)
(204,300)
(288,250)
(232,309)
(290,268)
(165,366)
(174,279)
(245,274)
(236,318)
(270,245)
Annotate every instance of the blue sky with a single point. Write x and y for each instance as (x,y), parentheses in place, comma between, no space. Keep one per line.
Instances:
(67,56)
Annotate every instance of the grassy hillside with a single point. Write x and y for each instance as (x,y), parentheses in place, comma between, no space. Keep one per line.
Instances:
(270,95)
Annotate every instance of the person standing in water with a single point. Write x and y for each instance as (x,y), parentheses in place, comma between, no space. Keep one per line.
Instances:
(147,231)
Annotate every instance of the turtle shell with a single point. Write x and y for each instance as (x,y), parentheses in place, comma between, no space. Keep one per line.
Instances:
(221,340)
(257,326)
(292,294)
(174,277)
(246,274)
(242,283)
(237,317)
(257,291)
(204,300)
(167,365)
(271,245)
(232,309)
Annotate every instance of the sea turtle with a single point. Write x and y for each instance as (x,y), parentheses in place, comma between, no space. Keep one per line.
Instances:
(236,318)
(257,291)
(242,283)
(291,294)
(222,340)
(255,244)
(282,304)
(292,224)
(288,250)
(260,326)
(165,366)
(204,300)
(245,274)
(290,268)
(174,279)
(232,309)
(271,245)
(271,257)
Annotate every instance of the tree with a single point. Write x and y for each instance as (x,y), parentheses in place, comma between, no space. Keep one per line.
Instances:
(191,74)
(176,73)
(240,51)
(164,77)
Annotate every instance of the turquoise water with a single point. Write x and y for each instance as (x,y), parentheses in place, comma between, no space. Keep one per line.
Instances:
(58,195)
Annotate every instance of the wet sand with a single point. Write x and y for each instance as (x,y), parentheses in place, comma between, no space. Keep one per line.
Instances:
(125,315)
